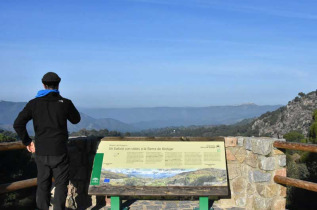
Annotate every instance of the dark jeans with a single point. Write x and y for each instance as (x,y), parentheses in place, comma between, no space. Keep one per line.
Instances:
(48,167)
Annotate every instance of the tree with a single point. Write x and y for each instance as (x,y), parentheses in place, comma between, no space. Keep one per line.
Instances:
(313,128)
(294,136)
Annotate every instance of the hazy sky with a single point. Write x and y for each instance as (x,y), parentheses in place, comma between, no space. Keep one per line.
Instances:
(140,53)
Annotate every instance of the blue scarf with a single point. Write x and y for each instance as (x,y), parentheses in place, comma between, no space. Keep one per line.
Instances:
(42,93)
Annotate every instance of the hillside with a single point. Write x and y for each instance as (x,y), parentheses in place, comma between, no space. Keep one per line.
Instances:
(10,110)
(295,116)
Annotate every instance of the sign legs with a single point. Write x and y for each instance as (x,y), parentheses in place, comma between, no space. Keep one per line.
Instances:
(115,203)
(203,203)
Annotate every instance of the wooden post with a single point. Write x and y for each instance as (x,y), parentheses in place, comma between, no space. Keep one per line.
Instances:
(11,145)
(295,146)
(18,185)
(203,203)
(296,183)
(115,203)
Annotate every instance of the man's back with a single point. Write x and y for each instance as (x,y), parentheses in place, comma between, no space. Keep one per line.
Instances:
(50,114)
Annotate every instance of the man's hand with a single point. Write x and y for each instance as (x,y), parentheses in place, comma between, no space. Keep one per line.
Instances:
(31,147)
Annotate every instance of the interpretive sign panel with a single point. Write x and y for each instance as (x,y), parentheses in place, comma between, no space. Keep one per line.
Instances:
(129,163)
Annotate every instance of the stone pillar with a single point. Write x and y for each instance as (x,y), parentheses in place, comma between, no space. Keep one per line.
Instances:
(252,164)
(82,151)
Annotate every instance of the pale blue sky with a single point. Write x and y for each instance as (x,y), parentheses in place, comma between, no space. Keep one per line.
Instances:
(147,53)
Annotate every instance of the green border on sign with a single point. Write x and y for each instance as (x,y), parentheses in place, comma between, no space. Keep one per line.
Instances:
(96,170)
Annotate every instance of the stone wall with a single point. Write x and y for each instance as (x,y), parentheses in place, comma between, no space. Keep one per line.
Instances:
(252,163)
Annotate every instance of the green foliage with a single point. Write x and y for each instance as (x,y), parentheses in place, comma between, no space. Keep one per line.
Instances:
(304,141)
(313,128)
(294,136)
(99,134)
(273,117)
(296,171)
(315,115)
(243,128)
(297,99)
(313,133)
(7,136)
(304,168)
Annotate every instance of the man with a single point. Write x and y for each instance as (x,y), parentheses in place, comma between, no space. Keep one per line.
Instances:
(50,113)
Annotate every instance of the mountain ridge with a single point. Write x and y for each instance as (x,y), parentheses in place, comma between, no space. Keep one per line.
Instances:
(137,119)
(295,116)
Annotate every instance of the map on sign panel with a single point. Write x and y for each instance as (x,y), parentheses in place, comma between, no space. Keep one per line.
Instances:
(160,163)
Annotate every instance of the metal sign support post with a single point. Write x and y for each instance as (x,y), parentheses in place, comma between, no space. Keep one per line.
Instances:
(115,203)
(203,203)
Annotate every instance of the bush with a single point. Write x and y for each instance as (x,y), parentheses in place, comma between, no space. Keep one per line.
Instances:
(313,128)
(294,136)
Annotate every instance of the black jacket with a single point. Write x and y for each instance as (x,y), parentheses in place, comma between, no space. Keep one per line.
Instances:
(50,114)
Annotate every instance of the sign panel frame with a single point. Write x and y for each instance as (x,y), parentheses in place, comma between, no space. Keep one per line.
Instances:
(131,154)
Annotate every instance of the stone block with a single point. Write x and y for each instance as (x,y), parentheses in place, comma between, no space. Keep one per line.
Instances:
(262,146)
(240,141)
(277,152)
(234,170)
(241,202)
(267,163)
(171,205)
(279,204)
(259,176)
(281,172)
(241,154)
(250,189)
(231,141)
(267,190)
(251,159)
(108,201)
(262,203)
(250,202)
(248,144)
(282,160)
(239,186)
(225,203)
(229,155)
(283,191)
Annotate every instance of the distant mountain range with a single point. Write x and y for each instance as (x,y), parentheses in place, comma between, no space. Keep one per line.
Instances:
(136,119)
(158,117)
(10,110)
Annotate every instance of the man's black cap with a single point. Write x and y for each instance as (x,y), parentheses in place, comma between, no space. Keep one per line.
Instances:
(51,77)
